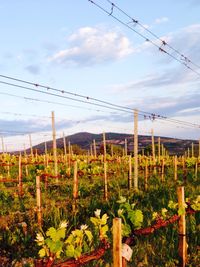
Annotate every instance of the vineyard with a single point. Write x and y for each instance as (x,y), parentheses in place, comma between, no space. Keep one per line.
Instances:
(63,209)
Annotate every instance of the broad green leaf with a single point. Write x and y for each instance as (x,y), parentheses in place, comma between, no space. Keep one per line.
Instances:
(42,253)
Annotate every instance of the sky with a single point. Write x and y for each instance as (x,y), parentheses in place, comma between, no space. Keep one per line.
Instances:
(74,46)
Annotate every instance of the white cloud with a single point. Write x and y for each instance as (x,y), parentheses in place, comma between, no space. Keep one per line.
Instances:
(161,20)
(93,45)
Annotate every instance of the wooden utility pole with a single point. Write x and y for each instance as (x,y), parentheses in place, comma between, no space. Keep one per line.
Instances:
(54,145)
(136,149)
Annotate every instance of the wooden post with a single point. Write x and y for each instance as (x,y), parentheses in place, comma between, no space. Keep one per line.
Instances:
(196,169)
(38,195)
(199,148)
(54,146)
(153,146)
(182,228)
(130,173)
(188,152)
(112,152)
(125,147)
(94,148)
(64,145)
(117,243)
(20,175)
(45,148)
(75,188)
(31,147)
(91,150)
(2,143)
(136,149)
(105,182)
(163,170)
(158,149)
(192,149)
(162,150)
(175,167)
(104,146)
(146,175)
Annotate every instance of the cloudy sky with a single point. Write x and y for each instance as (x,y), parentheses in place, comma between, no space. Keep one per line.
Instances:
(76,47)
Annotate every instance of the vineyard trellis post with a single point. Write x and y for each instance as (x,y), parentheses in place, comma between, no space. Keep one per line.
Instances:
(75,187)
(117,243)
(130,173)
(31,146)
(94,148)
(105,182)
(54,146)
(182,227)
(192,149)
(20,175)
(158,149)
(136,149)
(125,147)
(104,146)
(175,167)
(38,196)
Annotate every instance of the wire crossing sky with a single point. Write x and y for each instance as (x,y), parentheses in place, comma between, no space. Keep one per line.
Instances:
(98,66)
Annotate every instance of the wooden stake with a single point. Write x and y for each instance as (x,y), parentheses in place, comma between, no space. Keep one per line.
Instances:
(182,228)
(2,144)
(130,173)
(94,148)
(175,167)
(117,243)
(163,170)
(31,147)
(20,175)
(136,149)
(64,145)
(125,147)
(146,175)
(158,149)
(104,146)
(54,146)
(153,146)
(105,182)
(38,195)
(75,188)
(192,149)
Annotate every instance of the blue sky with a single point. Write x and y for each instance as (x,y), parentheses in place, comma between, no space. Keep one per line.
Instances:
(74,46)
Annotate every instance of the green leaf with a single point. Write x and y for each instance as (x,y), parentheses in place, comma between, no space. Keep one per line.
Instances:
(126,230)
(51,232)
(70,251)
(89,235)
(104,219)
(181,211)
(42,253)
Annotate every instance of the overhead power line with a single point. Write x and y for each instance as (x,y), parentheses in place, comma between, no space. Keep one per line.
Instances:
(182,59)
(97,102)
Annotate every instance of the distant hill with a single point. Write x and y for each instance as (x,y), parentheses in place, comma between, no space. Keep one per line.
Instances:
(84,139)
